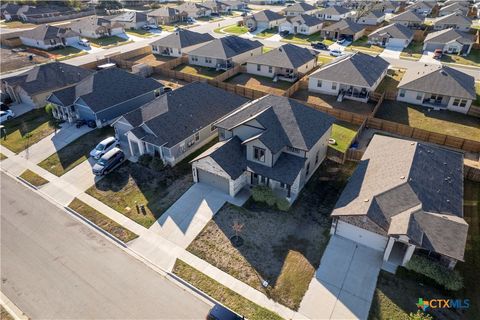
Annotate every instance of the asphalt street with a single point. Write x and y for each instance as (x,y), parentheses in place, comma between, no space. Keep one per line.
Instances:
(55,267)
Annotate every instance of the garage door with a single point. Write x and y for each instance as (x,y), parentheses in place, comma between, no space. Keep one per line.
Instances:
(396,43)
(432,47)
(362,236)
(213,180)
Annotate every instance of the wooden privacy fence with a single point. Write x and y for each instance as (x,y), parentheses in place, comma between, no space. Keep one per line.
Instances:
(471,173)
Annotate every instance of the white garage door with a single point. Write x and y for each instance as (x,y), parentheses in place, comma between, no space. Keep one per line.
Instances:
(213,180)
(396,43)
(362,236)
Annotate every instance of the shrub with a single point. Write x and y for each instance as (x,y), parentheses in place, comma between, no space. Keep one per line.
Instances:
(419,316)
(145,159)
(449,279)
(283,204)
(49,108)
(266,195)
(259,193)
(156,164)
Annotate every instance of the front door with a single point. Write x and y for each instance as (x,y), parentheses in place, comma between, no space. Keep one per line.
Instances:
(135,148)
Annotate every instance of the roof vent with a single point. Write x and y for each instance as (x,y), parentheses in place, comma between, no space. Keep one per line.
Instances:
(366,200)
(402,177)
(412,143)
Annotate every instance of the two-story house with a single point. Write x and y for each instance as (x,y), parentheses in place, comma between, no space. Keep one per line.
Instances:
(265,19)
(300,8)
(333,13)
(49,37)
(180,42)
(177,123)
(273,141)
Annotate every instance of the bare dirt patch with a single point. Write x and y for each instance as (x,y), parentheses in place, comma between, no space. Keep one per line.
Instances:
(260,83)
(13,61)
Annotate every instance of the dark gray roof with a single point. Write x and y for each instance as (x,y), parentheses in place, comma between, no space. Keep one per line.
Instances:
(448,35)
(306,19)
(408,16)
(131,17)
(163,12)
(287,122)
(453,18)
(286,56)
(226,47)
(191,7)
(345,26)
(177,115)
(300,7)
(334,10)
(90,23)
(396,30)
(375,14)
(48,32)
(440,80)
(183,38)
(454,7)
(65,96)
(11,8)
(48,77)
(399,180)
(110,87)
(358,69)
(267,15)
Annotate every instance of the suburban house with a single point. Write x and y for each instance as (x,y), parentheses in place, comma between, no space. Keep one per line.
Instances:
(273,141)
(343,29)
(450,41)
(456,7)
(103,96)
(265,19)
(177,123)
(387,6)
(32,87)
(235,5)
(455,21)
(372,18)
(405,197)
(409,19)
(43,13)
(438,87)
(334,13)
(131,20)
(392,35)
(300,8)
(422,7)
(8,11)
(351,77)
(224,53)
(287,63)
(49,37)
(180,42)
(166,15)
(96,27)
(302,24)
(218,6)
(194,9)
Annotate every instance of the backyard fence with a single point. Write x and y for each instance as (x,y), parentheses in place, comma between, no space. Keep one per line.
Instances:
(471,173)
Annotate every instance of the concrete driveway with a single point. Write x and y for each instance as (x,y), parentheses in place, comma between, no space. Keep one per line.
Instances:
(344,283)
(427,57)
(391,52)
(184,220)
(338,46)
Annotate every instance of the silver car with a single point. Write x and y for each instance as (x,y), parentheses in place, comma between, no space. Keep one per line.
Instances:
(103,147)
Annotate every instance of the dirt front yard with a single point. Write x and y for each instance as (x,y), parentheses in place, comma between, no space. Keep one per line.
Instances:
(260,83)
(151,59)
(282,248)
(13,61)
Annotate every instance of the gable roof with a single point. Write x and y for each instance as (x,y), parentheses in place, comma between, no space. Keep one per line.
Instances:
(410,186)
(300,7)
(306,19)
(267,15)
(287,122)
(454,7)
(48,32)
(286,56)
(408,16)
(91,23)
(453,18)
(226,47)
(375,14)
(108,87)
(345,25)
(449,35)
(48,77)
(396,30)
(183,38)
(177,115)
(421,5)
(334,10)
(358,69)
(163,12)
(130,17)
(440,80)
(191,7)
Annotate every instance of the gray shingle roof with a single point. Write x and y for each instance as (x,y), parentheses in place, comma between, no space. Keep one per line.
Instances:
(448,35)
(306,19)
(48,32)
(287,122)
(399,180)
(358,69)
(286,56)
(48,77)
(65,96)
(300,7)
(345,26)
(453,18)
(183,38)
(334,10)
(395,30)
(226,47)
(440,80)
(267,15)
(163,12)
(177,115)
(408,16)
(375,14)
(91,23)
(454,7)
(130,17)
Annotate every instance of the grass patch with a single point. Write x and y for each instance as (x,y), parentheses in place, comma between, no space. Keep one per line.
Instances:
(75,153)
(17,24)
(324,59)
(362,44)
(27,129)
(267,33)
(477,89)
(65,51)
(473,59)
(204,72)
(166,27)
(226,296)
(3,157)
(264,84)
(266,49)
(414,50)
(391,81)
(233,29)
(304,39)
(139,33)
(4,315)
(108,42)
(444,121)
(33,178)
(343,133)
(102,221)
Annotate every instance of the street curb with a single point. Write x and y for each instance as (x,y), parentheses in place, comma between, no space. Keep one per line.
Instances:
(11,308)
(27,183)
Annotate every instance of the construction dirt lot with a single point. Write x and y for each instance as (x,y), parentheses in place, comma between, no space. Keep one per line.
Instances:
(151,59)
(13,61)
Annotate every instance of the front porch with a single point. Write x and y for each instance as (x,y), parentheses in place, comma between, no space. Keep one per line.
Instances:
(353,93)
(64,113)
(281,190)
(397,253)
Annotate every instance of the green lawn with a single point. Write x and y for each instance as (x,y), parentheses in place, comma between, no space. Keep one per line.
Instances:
(17,24)
(303,39)
(391,81)
(205,72)
(444,121)
(67,53)
(33,178)
(414,50)
(108,42)
(477,89)
(167,27)
(233,29)
(75,153)
(140,33)
(102,221)
(225,295)
(361,44)
(324,59)
(473,59)
(267,33)
(27,129)
(343,133)
(266,49)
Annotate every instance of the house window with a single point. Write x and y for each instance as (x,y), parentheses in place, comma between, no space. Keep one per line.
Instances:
(259,154)
(319,83)
(419,96)
(292,149)
(270,69)
(197,136)
(402,93)
(283,185)
(208,60)
(459,102)
(317,157)
(157,93)
(334,86)
(194,58)
(259,67)
(308,169)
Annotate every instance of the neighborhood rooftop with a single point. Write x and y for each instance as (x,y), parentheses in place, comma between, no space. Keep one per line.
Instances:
(47,32)
(334,10)
(345,25)
(286,56)
(306,19)
(395,30)
(226,47)
(408,16)
(267,15)
(448,35)
(183,38)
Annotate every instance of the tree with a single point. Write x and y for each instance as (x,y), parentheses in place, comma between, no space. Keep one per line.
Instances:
(419,316)
(237,227)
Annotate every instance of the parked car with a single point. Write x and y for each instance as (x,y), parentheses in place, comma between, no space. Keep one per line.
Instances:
(6,115)
(84,42)
(167,89)
(103,147)
(244,14)
(335,53)
(190,20)
(437,54)
(219,312)
(319,46)
(108,162)
(284,33)
(145,27)
(152,26)
(21,49)
(341,40)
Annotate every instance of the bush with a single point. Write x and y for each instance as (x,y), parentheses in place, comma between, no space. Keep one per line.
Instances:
(259,193)
(156,164)
(49,108)
(283,204)
(419,316)
(449,279)
(265,195)
(145,159)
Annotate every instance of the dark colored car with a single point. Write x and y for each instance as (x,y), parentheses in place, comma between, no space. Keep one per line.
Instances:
(167,89)
(91,124)
(219,312)
(319,46)
(108,162)
(244,14)
(284,33)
